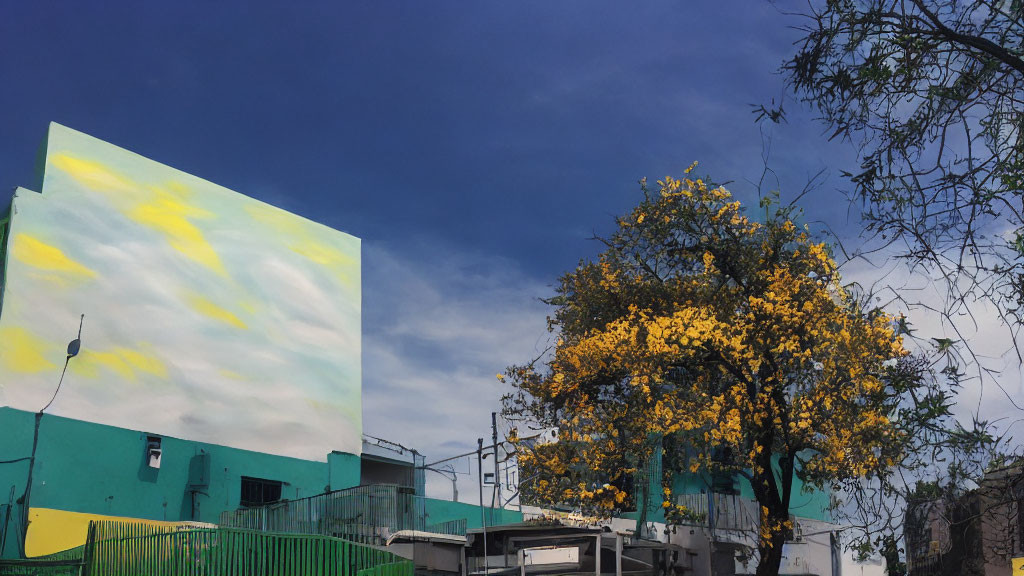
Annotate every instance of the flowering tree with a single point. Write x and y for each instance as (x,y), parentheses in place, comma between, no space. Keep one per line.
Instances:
(727,343)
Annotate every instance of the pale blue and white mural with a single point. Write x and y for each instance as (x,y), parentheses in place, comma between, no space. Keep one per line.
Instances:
(209,315)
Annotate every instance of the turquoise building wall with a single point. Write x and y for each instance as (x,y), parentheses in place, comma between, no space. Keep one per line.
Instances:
(812,504)
(96,469)
(102,470)
(438,511)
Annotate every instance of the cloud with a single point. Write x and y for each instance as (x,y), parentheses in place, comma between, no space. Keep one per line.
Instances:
(987,354)
(439,324)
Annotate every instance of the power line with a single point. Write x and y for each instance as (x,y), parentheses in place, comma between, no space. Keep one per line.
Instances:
(502,444)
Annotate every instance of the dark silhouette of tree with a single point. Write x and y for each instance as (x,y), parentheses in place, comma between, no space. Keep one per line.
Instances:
(932,92)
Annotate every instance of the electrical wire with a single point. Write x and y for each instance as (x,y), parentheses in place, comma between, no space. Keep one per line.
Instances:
(73,348)
(62,372)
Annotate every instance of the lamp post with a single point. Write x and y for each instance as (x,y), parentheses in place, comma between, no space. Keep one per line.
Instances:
(73,348)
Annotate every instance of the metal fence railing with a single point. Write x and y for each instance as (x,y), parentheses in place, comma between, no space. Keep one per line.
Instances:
(116,548)
(452,527)
(135,549)
(365,514)
(36,567)
(63,563)
(404,568)
(728,511)
(733,512)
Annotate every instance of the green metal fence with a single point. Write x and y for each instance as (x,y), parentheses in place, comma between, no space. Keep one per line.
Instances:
(34,567)
(137,549)
(453,527)
(389,569)
(301,537)
(64,563)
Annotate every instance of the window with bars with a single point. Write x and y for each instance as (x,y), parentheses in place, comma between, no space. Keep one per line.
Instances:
(259,491)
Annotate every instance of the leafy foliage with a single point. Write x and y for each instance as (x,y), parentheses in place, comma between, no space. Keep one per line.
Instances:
(724,342)
(933,93)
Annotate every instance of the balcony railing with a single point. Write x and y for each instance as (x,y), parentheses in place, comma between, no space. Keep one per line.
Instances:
(721,511)
(366,514)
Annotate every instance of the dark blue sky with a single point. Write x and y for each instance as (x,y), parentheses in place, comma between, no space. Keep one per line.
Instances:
(473,146)
(513,128)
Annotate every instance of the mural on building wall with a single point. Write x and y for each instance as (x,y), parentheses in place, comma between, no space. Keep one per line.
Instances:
(209,315)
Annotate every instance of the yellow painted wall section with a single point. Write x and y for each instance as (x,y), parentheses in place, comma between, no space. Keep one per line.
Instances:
(52,531)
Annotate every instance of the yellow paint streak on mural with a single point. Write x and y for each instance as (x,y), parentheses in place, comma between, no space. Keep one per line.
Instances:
(342,266)
(23,352)
(211,310)
(162,209)
(180,189)
(275,218)
(337,263)
(38,254)
(51,531)
(125,362)
(170,215)
(93,174)
(143,362)
(321,254)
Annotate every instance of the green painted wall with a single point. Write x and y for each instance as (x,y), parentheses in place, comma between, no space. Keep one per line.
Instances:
(442,511)
(812,504)
(15,443)
(343,470)
(91,468)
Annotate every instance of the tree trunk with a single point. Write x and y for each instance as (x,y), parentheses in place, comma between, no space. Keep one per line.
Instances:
(770,556)
(772,496)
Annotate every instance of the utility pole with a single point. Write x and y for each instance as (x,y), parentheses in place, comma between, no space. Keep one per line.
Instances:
(494,439)
(455,484)
(480,476)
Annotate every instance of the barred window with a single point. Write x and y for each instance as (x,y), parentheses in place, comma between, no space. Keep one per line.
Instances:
(258,491)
